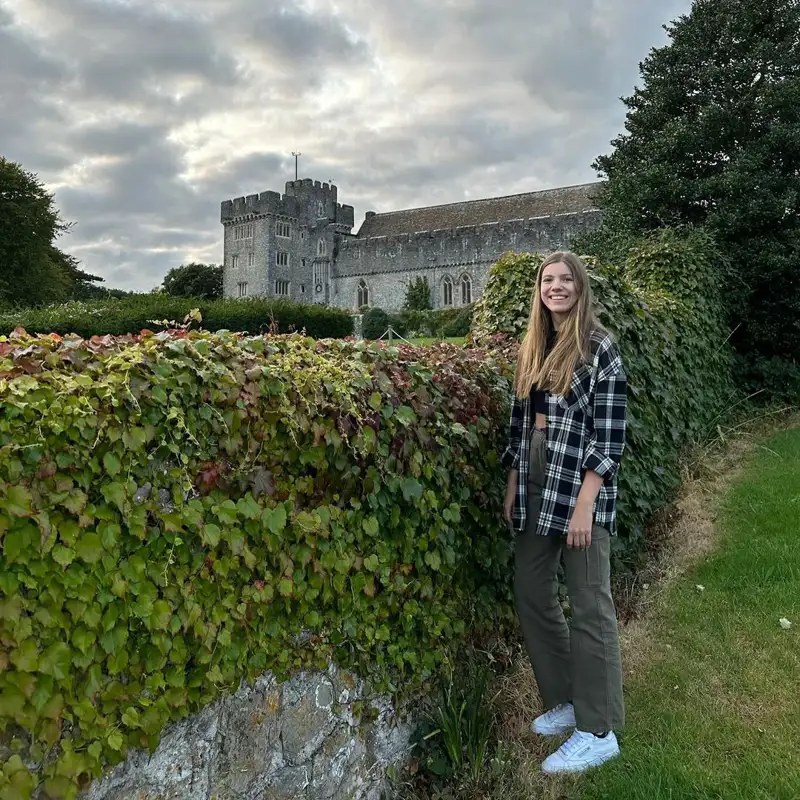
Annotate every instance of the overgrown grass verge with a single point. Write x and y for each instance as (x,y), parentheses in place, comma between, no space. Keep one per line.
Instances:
(714,714)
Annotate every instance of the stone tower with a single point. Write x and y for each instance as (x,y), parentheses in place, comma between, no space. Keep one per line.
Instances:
(284,246)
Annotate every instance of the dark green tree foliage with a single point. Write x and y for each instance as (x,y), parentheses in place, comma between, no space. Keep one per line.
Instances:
(418,296)
(375,323)
(33,271)
(713,139)
(194,280)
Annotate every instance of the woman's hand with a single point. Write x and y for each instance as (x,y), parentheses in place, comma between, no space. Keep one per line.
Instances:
(579,534)
(511,495)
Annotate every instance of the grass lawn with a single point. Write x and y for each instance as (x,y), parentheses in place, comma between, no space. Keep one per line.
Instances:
(715,712)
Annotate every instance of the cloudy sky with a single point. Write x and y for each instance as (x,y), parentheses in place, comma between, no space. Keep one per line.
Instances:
(142,115)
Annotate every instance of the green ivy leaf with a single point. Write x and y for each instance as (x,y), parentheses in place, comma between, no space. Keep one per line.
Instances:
(17,501)
(274,519)
(115,740)
(412,489)
(89,548)
(162,613)
(56,661)
(112,464)
(115,493)
(63,555)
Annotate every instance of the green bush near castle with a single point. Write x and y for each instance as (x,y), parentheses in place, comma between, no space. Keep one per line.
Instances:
(662,303)
(130,315)
(182,510)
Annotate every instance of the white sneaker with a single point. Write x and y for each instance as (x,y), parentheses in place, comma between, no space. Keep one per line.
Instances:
(581,751)
(556,721)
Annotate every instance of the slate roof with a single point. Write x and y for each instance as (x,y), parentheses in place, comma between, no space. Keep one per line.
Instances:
(478,212)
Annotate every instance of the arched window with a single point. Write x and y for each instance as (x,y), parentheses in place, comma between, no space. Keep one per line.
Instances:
(363,294)
(466,290)
(320,209)
(447,291)
(322,247)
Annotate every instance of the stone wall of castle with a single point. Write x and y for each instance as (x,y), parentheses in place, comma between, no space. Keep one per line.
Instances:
(387,264)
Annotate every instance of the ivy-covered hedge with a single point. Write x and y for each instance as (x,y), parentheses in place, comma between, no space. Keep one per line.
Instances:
(180,510)
(662,303)
(132,314)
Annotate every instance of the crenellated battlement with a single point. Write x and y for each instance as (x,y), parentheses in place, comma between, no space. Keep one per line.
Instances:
(264,203)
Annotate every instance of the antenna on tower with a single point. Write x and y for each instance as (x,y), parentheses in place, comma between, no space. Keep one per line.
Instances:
(296,156)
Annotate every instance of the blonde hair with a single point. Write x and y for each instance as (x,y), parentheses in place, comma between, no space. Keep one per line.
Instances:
(554,372)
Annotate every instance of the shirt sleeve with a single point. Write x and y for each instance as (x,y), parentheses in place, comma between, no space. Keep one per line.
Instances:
(606,444)
(510,457)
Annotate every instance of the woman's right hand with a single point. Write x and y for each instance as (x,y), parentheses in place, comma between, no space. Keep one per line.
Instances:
(511,496)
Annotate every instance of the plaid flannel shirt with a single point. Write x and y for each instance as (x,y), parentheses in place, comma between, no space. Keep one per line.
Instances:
(585,431)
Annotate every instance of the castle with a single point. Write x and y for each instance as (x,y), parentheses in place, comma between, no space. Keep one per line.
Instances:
(300,245)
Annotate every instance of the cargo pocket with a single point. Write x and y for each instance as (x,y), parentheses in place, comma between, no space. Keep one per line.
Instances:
(598,558)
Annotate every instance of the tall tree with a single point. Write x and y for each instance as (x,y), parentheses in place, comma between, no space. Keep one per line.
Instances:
(194,280)
(33,271)
(418,295)
(713,139)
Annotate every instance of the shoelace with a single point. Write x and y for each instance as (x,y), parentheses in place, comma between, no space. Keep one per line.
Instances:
(572,744)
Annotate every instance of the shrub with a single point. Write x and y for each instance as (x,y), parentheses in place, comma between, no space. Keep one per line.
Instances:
(133,314)
(432,323)
(182,510)
(375,323)
(662,305)
(459,326)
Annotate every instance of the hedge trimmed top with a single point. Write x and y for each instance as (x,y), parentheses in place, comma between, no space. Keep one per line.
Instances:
(130,315)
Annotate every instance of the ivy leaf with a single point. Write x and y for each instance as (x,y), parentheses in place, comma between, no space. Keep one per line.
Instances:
(115,493)
(161,616)
(115,740)
(26,657)
(248,508)
(135,439)
(433,560)
(63,555)
(89,548)
(56,661)
(210,534)
(112,464)
(17,501)
(405,414)
(372,563)
(370,526)
(412,489)
(375,401)
(274,519)
(130,718)
(285,587)
(226,512)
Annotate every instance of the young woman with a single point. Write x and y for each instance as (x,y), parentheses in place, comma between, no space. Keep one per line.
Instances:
(566,439)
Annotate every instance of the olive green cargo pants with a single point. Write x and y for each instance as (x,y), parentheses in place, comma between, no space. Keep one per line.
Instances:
(579,662)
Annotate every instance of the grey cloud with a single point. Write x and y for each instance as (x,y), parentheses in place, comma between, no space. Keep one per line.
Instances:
(297,36)
(146,116)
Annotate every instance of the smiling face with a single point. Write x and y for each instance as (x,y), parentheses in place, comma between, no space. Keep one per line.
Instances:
(558,291)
